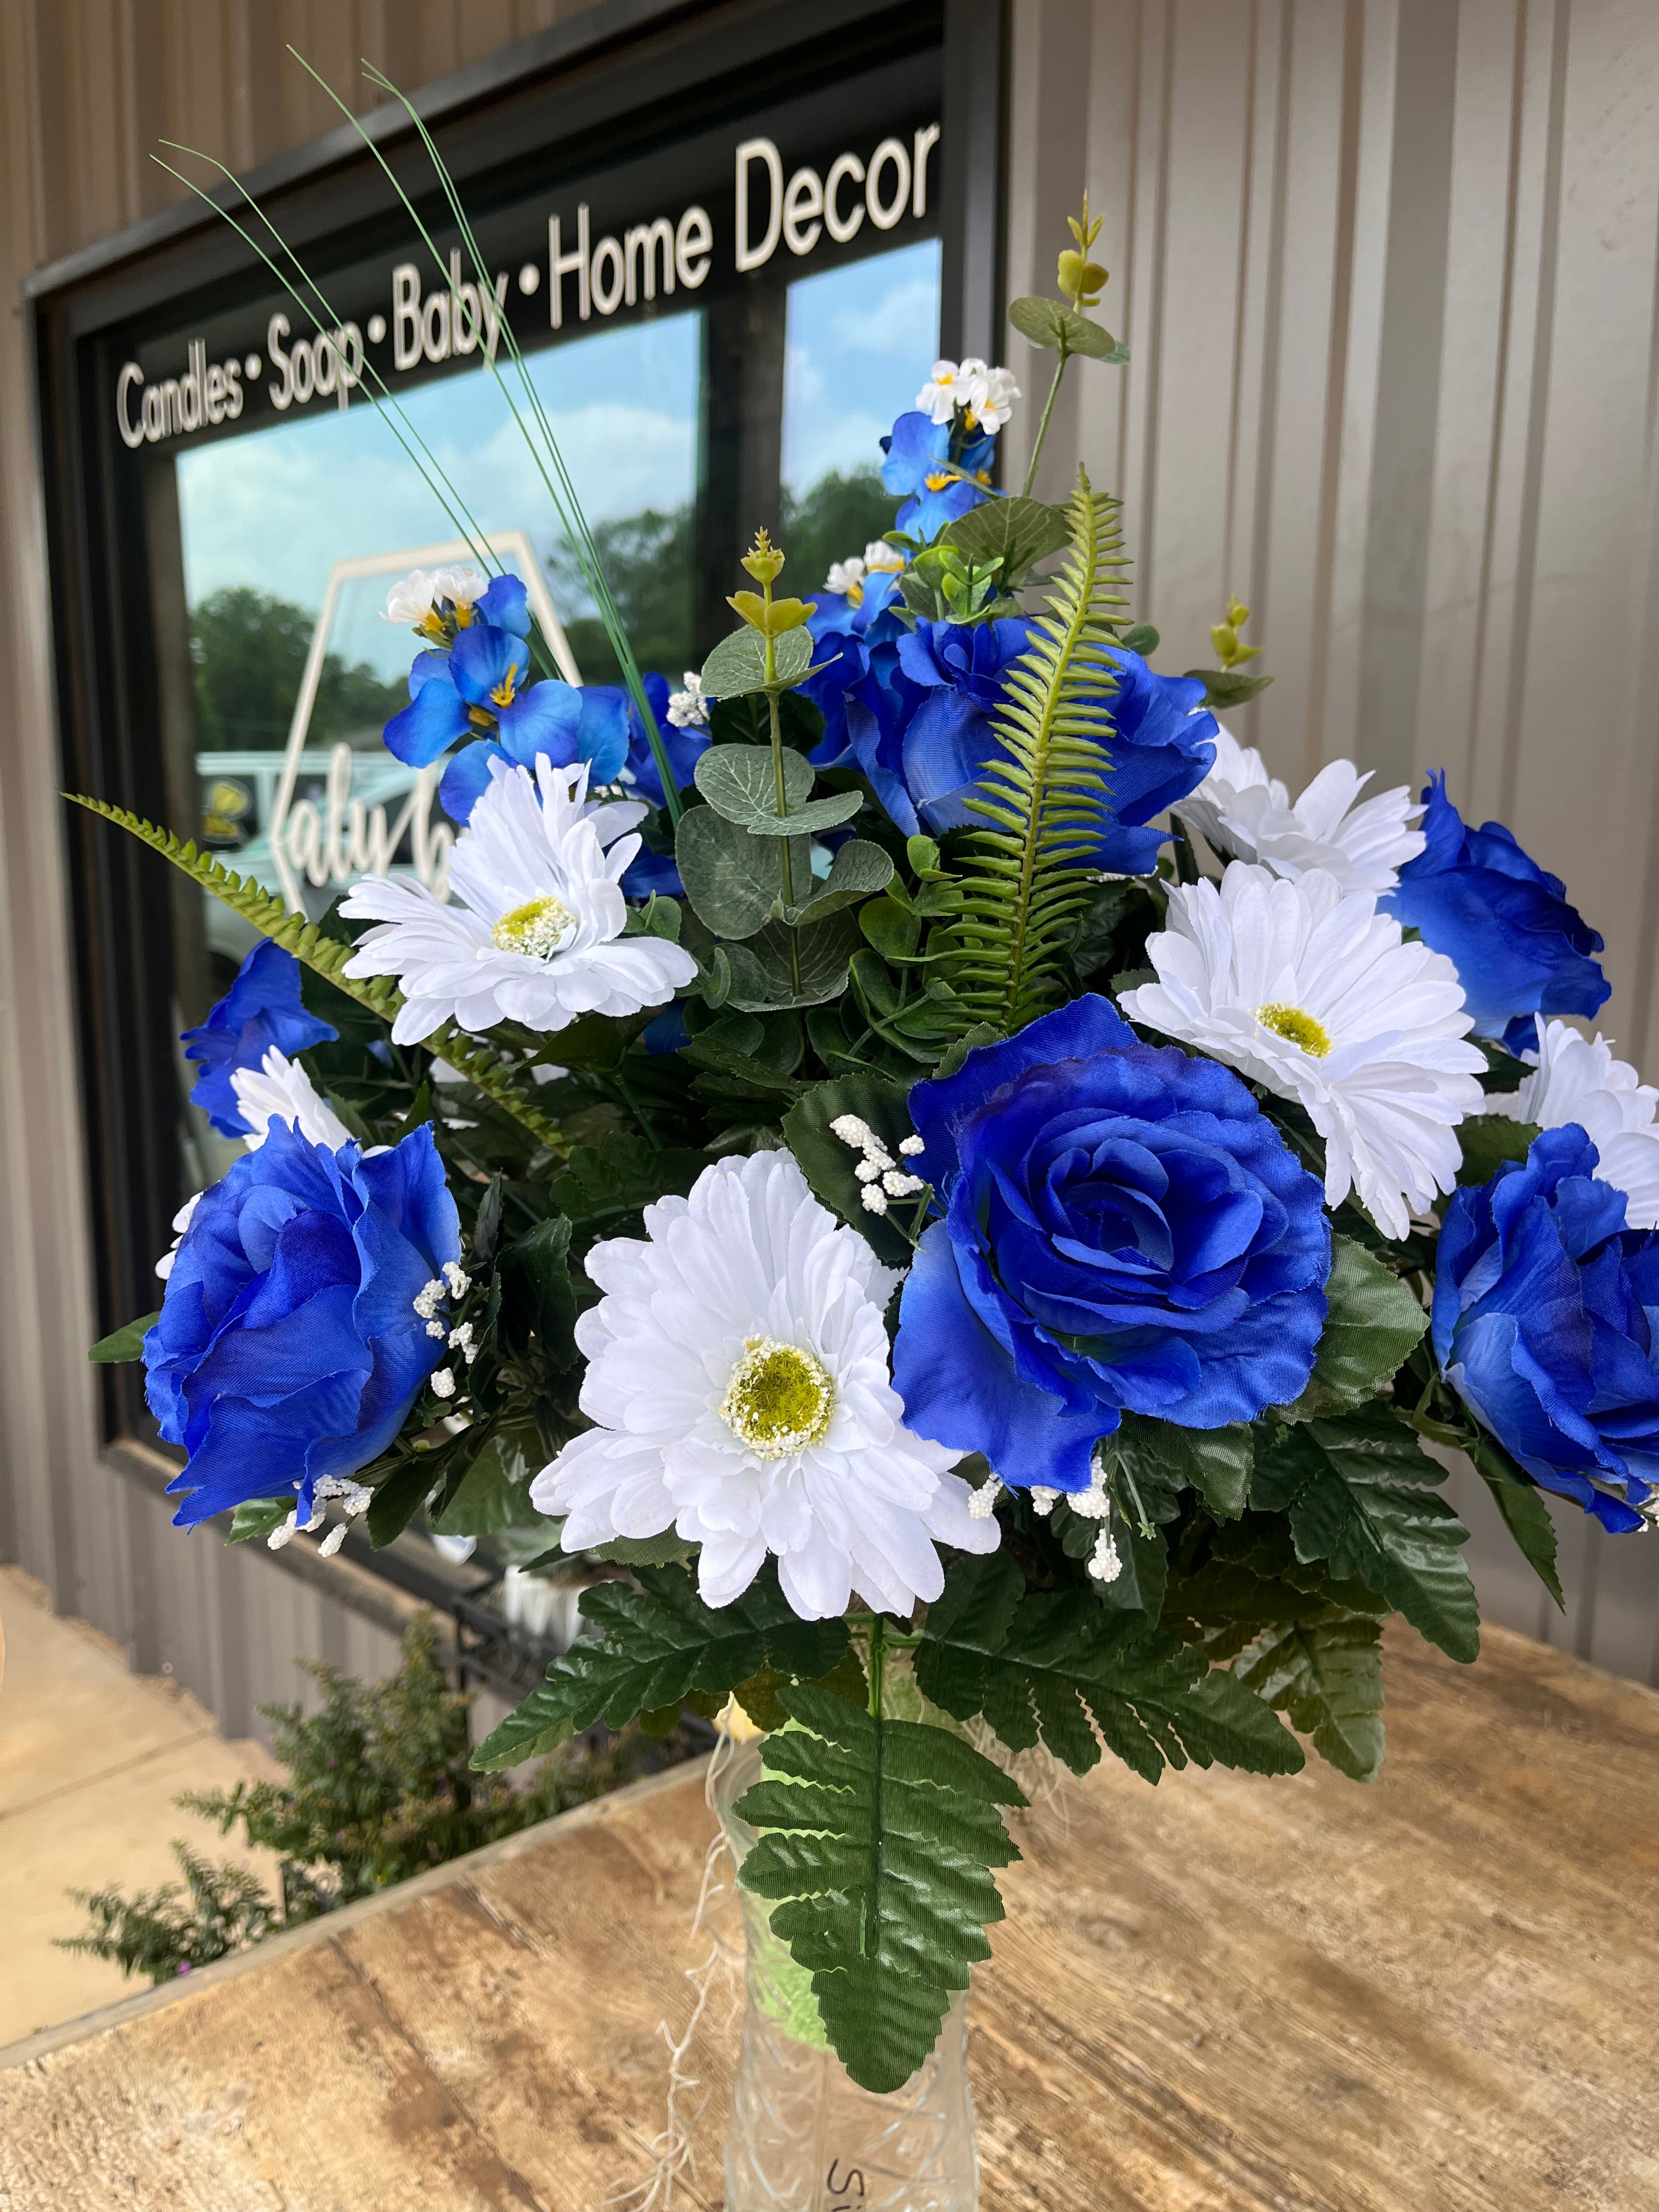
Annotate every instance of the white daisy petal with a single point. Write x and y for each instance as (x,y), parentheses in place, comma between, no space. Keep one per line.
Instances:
(1578,1081)
(1247,815)
(738,1369)
(533,931)
(1311,993)
(279,1089)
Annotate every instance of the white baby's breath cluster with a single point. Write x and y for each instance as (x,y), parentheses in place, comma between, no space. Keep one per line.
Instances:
(353,1498)
(688,709)
(985,395)
(877,1171)
(1094,1503)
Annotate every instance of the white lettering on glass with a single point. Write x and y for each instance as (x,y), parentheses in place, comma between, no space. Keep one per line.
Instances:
(842,227)
(751,255)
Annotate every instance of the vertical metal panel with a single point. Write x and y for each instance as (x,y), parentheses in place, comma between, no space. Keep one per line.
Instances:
(1387,268)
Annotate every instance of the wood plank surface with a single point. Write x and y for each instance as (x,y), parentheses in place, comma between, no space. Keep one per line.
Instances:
(1223,1995)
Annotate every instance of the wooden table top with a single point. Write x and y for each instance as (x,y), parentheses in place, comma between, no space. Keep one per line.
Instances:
(1222,1995)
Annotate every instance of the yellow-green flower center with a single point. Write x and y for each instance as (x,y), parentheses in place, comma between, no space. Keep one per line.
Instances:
(501,694)
(539,927)
(1296,1027)
(779,1399)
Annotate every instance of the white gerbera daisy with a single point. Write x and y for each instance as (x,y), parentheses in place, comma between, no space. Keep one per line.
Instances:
(1578,1081)
(533,930)
(1247,815)
(279,1089)
(738,1370)
(1315,995)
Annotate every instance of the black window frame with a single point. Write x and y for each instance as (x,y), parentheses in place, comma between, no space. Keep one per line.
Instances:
(633,61)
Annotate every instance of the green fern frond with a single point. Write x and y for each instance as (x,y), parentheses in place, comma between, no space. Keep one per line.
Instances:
(1042,797)
(485,1069)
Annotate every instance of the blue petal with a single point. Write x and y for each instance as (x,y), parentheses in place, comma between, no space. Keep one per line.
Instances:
(434,717)
(544,720)
(505,606)
(486,663)
(466,780)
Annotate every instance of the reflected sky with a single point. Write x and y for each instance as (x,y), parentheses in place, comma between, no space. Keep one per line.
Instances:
(862,341)
(275,508)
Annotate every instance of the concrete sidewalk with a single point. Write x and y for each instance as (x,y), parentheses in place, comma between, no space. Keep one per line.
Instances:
(91,1759)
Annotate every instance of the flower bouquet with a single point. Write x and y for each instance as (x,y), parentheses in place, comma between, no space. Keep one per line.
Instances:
(981,1268)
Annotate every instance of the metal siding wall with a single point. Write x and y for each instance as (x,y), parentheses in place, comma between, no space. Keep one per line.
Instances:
(1387,268)
(88,89)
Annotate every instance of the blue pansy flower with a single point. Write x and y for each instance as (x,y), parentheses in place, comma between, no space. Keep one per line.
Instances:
(1160,748)
(477,690)
(1543,1323)
(262,1008)
(1123,1230)
(288,1347)
(1503,921)
(936,486)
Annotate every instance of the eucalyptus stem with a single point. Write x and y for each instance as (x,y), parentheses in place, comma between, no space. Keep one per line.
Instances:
(1049,409)
(781,789)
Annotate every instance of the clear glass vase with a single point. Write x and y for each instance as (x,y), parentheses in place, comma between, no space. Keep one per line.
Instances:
(802,2136)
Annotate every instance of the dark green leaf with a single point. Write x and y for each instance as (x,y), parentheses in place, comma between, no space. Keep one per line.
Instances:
(1215,1462)
(1505,1073)
(1142,638)
(733,880)
(400,1497)
(668,1550)
(1525,1514)
(1489,1139)
(877,1845)
(1375,1323)
(258,1516)
(124,1343)
(536,1292)
(494,1490)
(1054,1666)
(487,1228)
(657,1643)
(1326,1674)
(1359,1492)
(623,1175)
(1143,1558)
(829,1164)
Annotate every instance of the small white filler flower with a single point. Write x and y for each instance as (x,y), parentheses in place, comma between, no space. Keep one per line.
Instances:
(533,931)
(847,579)
(688,709)
(738,1370)
(991,396)
(1578,1081)
(946,389)
(1247,815)
(1316,996)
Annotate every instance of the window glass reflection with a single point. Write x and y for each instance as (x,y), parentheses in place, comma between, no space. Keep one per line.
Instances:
(860,342)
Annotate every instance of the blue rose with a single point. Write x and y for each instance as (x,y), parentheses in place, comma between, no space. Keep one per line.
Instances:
(871,610)
(1519,949)
(262,1008)
(1543,1323)
(937,487)
(948,739)
(1160,748)
(868,703)
(287,1346)
(1122,1231)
